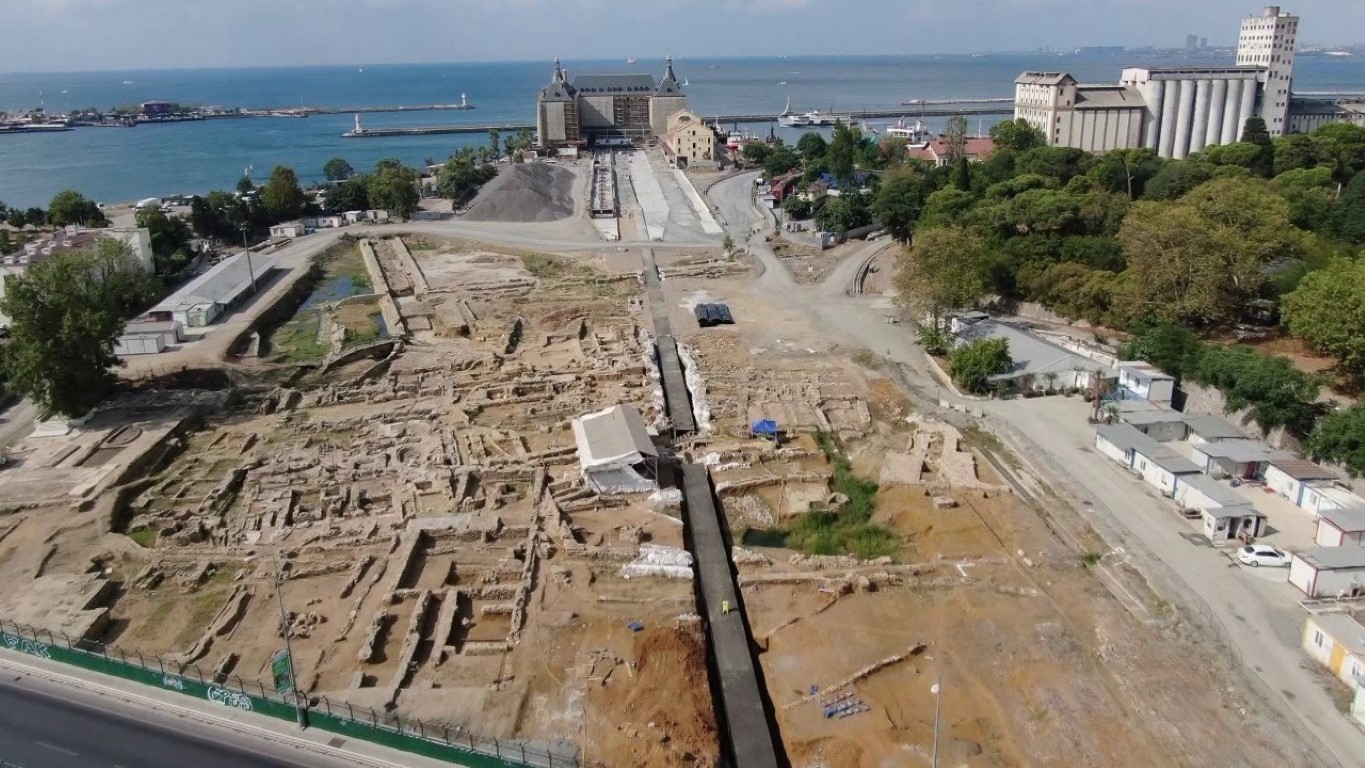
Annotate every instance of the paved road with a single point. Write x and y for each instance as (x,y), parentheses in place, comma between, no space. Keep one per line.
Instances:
(16,422)
(1262,619)
(40,730)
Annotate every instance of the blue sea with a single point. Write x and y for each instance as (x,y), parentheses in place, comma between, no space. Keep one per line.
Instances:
(122,164)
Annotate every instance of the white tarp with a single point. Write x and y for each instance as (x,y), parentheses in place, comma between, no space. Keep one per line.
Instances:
(611,445)
(656,560)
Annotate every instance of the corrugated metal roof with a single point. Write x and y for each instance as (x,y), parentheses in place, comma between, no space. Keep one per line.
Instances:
(1216,491)
(1031,354)
(1241,450)
(1333,558)
(1167,459)
(1303,469)
(1348,520)
(1123,436)
(224,283)
(1343,629)
(1212,427)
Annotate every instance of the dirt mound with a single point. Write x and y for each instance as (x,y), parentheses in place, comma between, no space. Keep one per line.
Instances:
(531,192)
(668,727)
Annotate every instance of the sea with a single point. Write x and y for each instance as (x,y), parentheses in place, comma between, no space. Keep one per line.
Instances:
(125,164)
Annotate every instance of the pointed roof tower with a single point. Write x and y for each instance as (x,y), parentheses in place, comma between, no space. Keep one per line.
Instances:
(669,85)
(558,88)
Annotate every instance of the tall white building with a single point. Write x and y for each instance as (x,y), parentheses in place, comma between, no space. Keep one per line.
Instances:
(1177,111)
(1268,41)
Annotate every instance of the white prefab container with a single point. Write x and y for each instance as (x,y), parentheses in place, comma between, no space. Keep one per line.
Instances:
(1329,571)
(1341,528)
(1116,441)
(140,344)
(1161,467)
(1289,477)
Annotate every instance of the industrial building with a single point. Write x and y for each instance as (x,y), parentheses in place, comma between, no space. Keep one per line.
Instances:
(1177,111)
(201,301)
(620,107)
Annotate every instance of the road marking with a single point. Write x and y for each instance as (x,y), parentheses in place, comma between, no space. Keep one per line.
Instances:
(56,748)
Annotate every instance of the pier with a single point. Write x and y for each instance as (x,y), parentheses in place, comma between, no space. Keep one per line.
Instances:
(881,114)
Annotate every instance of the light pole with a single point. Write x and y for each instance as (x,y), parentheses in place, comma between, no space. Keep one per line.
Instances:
(937,690)
(299,713)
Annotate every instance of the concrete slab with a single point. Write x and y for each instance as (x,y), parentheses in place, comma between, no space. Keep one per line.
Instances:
(709,225)
(649,194)
(1288,526)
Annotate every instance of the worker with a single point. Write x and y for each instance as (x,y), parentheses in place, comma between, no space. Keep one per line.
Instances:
(724,606)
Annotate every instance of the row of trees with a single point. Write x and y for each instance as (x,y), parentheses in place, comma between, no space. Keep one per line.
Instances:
(1129,239)
(67,207)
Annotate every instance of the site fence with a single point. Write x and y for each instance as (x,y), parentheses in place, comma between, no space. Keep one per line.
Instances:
(360,722)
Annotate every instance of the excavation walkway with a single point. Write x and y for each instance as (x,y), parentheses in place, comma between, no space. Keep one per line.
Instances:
(742,719)
(677,399)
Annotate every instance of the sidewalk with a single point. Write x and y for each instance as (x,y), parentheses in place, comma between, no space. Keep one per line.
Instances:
(209,721)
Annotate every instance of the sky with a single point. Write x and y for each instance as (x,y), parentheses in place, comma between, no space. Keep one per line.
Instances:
(90,35)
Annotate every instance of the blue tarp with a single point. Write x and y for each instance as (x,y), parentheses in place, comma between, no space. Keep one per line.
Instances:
(764,427)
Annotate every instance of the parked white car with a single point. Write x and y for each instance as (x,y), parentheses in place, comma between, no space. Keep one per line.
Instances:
(1256,555)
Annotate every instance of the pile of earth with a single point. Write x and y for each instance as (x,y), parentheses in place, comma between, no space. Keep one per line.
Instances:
(529,192)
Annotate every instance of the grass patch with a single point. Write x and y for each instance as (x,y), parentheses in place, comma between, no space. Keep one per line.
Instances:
(869,360)
(418,244)
(143,537)
(543,266)
(297,340)
(848,529)
(366,332)
(1091,559)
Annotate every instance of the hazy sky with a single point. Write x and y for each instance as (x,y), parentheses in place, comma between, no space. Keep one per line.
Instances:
(66,35)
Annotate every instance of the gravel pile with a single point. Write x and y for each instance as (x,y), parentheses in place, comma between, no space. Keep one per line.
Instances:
(530,192)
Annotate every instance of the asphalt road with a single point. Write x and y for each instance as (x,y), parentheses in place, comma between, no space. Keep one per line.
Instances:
(39,730)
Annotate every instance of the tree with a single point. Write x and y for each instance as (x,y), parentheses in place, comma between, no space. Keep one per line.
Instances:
(971,365)
(1177,177)
(282,196)
(900,201)
(1348,217)
(796,207)
(1277,393)
(1340,437)
(352,194)
(1126,170)
(494,135)
(962,174)
(337,169)
(840,155)
(1174,349)
(5,244)
(461,177)
(840,214)
(779,161)
(1017,135)
(170,238)
(1199,259)
(1061,163)
(955,134)
(1327,310)
(245,185)
(394,189)
(812,146)
(71,207)
(755,153)
(1255,132)
(1309,193)
(1295,152)
(944,269)
(67,311)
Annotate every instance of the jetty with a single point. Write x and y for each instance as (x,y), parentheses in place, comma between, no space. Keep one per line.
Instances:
(928,111)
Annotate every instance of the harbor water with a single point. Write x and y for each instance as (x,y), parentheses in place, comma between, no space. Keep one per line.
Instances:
(122,164)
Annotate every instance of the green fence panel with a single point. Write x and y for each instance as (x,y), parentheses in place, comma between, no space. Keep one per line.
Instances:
(34,644)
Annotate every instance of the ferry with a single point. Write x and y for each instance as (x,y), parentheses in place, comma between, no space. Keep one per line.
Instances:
(812,119)
(915,134)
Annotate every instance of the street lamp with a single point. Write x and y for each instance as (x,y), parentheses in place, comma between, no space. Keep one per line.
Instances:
(299,711)
(937,690)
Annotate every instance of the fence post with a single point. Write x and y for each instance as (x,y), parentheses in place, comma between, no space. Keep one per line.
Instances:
(350,711)
(523,751)
(141,662)
(161,664)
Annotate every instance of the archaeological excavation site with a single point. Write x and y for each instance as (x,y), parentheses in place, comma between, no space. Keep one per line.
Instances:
(521,499)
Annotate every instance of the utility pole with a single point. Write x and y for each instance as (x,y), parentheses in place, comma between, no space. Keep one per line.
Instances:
(299,713)
(938,710)
(250,269)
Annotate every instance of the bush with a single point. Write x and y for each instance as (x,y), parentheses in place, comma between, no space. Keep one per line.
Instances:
(972,365)
(847,530)
(1278,394)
